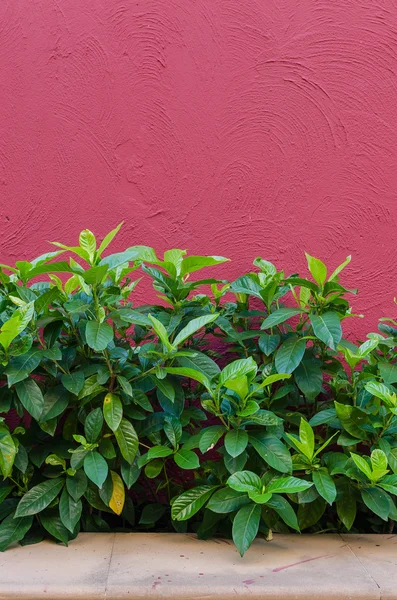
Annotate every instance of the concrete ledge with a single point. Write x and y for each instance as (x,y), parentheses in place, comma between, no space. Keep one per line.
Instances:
(181,567)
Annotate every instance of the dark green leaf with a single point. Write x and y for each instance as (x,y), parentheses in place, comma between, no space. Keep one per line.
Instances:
(236,442)
(96,468)
(98,335)
(246,526)
(13,530)
(274,452)
(39,497)
(290,354)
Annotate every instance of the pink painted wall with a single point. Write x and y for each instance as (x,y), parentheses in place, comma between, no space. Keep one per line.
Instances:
(234,127)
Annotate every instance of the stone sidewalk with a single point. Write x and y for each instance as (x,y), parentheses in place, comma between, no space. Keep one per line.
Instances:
(181,567)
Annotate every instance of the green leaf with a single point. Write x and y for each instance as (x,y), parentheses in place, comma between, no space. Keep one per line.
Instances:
(154,452)
(362,464)
(108,238)
(324,485)
(388,372)
(389,483)
(279,316)
(73,382)
(237,369)
(284,510)
(93,425)
(340,268)
(317,268)
(173,430)
(239,385)
(311,512)
(195,263)
(112,411)
(152,513)
(31,397)
(268,343)
(53,524)
(165,386)
(352,419)
(129,473)
(77,484)
(154,468)
(199,361)
(13,530)
(227,500)
(377,501)
(327,328)
(8,451)
(191,373)
(288,485)
(69,510)
(130,254)
(96,468)
(306,439)
(378,460)
(95,275)
(309,379)
(245,481)
(98,335)
(193,326)
(236,442)
(260,498)
(346,505)
(39,497)
(235,464)
(209,437)
(127,440)
(273,452)
(161,332)
(380,390)
(290,354)
(20,367)
(246,526)
(189,503)
(56,399)
(87,242)
(186,459)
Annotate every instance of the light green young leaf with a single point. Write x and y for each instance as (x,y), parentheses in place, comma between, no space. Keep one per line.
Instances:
(161,332)
(191,373)
(340,268)
(87,242)
(362,464)
(317,268)
(108,238)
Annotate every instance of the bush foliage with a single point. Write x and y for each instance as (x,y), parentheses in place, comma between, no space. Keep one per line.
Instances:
(236,412)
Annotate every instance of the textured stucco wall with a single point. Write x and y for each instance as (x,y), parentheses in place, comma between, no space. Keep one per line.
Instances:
(234,127)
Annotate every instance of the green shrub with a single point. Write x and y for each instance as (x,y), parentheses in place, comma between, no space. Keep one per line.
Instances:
(239,412)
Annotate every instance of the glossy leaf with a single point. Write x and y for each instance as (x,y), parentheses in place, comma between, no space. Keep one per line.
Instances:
(39,497)
(246,526)
(189,503)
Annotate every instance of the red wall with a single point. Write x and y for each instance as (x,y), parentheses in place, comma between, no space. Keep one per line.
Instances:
(233,127)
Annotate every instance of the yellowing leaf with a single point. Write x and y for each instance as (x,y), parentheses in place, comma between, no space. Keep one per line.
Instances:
(118,495)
